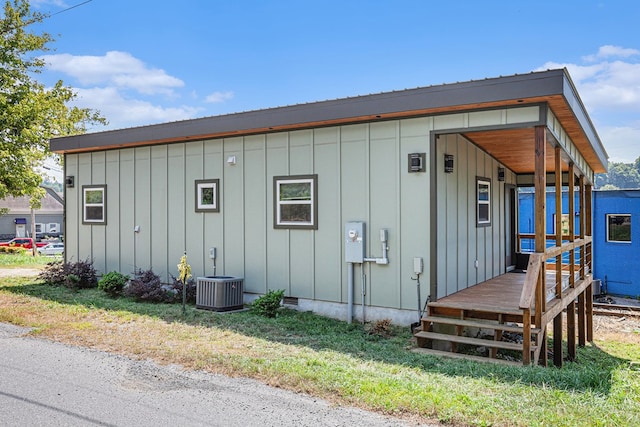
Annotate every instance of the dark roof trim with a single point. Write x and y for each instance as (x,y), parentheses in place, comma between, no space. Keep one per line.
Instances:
(391,104)
(571,95)
(55,195)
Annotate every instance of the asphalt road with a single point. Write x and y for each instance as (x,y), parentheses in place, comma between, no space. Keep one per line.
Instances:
(43,383)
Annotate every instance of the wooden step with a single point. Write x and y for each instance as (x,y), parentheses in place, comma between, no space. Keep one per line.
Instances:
(472,341)
(474,324)
(478,308)
(451,355)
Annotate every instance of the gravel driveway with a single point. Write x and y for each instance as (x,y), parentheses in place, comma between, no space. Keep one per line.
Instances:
(45,383)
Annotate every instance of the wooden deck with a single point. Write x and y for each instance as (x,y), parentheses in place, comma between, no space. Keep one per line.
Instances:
(481,315)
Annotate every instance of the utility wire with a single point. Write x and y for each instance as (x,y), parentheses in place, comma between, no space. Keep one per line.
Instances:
(70,7)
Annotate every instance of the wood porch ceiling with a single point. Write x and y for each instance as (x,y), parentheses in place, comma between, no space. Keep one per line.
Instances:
(515,149)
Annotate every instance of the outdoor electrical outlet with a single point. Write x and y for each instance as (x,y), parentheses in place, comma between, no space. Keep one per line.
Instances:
(477,264)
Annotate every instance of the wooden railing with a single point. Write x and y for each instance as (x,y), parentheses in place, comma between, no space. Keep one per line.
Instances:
(532,283)
(533,296)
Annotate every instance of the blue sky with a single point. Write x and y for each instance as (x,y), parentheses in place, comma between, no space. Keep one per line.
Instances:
(142,62)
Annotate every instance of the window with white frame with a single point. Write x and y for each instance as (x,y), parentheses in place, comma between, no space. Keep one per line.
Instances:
(207,195)
(94,204)
(619,228)
(295,201)
(483,202)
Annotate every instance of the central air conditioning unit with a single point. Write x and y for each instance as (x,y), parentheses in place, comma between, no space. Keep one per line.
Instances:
(597,287)
(220,293)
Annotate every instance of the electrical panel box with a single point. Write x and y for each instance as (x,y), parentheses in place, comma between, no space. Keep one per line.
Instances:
(354,242)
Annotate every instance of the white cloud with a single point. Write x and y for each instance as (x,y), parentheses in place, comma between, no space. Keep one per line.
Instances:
(606,85)
(123,112)
(608,51)
(120,69)
(38,3)
(609,85)
(218,97)
(622,143)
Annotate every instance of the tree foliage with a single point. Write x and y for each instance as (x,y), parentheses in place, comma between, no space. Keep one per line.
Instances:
(30,113)
(620,176)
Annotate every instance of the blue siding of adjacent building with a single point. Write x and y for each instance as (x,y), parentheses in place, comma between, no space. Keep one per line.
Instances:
(614,263)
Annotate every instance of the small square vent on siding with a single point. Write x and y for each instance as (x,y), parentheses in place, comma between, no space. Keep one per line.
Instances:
(290,301)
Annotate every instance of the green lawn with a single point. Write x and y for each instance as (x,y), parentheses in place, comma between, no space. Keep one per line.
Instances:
(342,362)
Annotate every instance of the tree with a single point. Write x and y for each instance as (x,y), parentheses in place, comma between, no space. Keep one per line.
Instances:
(30,113)
(620,176)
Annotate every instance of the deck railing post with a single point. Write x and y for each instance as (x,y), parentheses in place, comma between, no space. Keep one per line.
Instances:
(571,331)
(588,228)
(526,336)
(540,181)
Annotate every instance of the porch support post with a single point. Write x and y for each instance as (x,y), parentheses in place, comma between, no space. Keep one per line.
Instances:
(571,308)
(557,321)
(571,331)
(540,179)
(558,223)
(582,296)
(588,217)
(572,224)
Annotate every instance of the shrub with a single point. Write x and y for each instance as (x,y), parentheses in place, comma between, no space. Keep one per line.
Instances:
(73,275)
(12,250)
(145,286)
(268,304)
(381,328)
(53,273)
(176,288)
(113,283)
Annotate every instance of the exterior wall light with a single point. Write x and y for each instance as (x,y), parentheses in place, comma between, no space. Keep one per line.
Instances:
(448,163)
(500,174)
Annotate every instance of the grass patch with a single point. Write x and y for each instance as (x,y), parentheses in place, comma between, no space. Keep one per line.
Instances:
(342,362)
(21,260)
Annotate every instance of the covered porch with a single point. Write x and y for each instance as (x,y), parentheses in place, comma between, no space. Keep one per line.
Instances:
(481,315)
(560,153)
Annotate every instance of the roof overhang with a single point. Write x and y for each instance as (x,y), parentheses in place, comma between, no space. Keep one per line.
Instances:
(553,88)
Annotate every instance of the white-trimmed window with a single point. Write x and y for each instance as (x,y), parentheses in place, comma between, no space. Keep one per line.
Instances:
(207,195)
(94,204)
(619,228)
(295,201)
(483,202)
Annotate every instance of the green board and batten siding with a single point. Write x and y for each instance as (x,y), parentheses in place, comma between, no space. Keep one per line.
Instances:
(362,176)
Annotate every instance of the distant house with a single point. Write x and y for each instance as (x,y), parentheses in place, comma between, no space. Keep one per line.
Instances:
(17,222)
(341,203)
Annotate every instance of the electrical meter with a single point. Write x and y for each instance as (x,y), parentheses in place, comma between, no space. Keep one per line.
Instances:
(354,242)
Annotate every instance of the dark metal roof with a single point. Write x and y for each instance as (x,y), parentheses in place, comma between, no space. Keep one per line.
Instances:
(491,92)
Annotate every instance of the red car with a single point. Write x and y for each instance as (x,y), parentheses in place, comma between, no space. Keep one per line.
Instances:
(24,242)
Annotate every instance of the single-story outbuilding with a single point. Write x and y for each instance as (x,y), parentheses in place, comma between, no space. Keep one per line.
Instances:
(17,221)
(336,202)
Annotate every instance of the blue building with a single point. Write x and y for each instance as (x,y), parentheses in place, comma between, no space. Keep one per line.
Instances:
(616,241)
(616,235)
